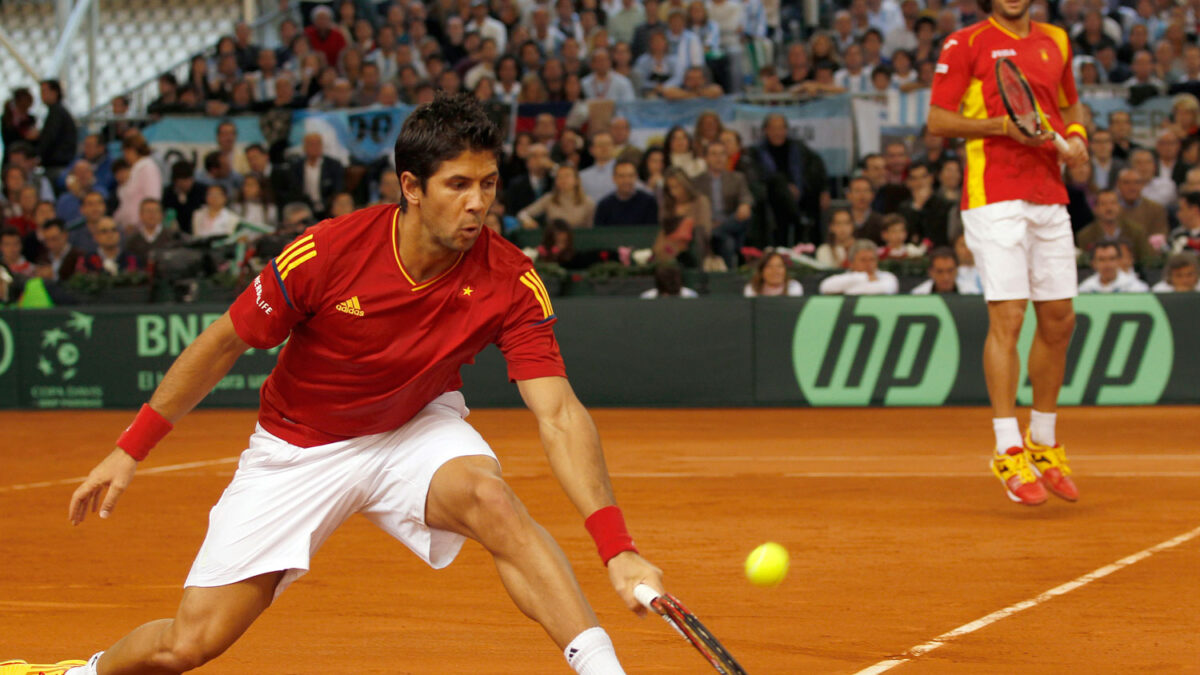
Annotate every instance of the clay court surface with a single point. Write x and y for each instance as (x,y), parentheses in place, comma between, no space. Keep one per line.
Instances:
(897,532)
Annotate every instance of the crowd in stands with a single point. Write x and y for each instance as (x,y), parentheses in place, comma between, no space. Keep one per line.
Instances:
(718,201)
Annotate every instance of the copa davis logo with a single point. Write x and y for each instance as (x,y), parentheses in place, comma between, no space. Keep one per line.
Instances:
(1122,352)
(57,366)
(892,350)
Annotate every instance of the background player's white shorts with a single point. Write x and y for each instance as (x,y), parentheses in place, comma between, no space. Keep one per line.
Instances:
(1023,251)
(286,500)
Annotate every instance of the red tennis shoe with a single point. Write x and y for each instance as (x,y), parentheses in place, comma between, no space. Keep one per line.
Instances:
(1050,465)
(1014,472)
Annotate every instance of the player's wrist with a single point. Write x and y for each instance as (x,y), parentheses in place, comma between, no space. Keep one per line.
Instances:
(147,429)
(1077,130)
(607,527)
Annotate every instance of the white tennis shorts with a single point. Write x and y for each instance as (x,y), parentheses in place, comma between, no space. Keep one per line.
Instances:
(286,500)
(1023,251)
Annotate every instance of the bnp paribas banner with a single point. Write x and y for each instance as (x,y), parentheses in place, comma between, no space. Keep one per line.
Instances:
(96,358)
(927,350)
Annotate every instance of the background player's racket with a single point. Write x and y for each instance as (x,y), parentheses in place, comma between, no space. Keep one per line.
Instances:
(674,613)
(1018,100)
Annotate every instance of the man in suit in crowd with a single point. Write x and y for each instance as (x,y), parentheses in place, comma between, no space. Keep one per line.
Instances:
(316,178)
(1147,213)
(731,201)
(535,182)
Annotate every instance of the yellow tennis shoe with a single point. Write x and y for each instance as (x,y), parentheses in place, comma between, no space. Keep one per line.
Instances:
(22,668)
(1050,465)
(1013,469)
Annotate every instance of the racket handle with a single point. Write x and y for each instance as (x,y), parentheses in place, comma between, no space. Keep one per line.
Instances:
(645,595)
(1061,143)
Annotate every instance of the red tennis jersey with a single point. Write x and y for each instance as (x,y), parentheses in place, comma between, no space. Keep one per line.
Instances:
(369,347)
(998,168)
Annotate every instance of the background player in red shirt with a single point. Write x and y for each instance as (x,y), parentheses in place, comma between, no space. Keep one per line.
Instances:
(1016,225)
(362,414)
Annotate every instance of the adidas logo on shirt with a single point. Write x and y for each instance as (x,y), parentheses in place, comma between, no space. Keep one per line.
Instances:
(351,306)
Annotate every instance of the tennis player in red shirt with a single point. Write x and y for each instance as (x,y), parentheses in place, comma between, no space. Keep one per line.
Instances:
(362,413)
(1016,225)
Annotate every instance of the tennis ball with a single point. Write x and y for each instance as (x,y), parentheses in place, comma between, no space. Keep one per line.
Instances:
(767,565)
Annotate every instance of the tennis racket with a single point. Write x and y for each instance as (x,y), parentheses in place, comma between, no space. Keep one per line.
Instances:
(1018,101)
(686,623)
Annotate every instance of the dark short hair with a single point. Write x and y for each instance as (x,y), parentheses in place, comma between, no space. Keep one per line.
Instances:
(148,200)
(985,6)
(9,231)
(182,169)
(55,222)
(442,130)
(212,161)
(1106,243)
(256,146)
(1192,198)
(54,86)
(943,252)
(22,148)
(625,160)
(892,219)
(924,20)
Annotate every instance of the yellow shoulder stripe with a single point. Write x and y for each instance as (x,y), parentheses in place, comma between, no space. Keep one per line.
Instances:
(294,263)
(294,245)
(534,283)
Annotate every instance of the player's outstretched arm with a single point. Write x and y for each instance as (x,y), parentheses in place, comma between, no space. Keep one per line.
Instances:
(190,378)
(573,447)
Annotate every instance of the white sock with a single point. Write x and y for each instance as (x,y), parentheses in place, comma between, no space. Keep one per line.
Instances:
(1041,427)
(592,653)
(89,669)
(1008,434)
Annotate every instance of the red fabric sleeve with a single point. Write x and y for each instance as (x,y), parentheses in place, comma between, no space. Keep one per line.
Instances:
(527,336)
(280,297)
(952,74)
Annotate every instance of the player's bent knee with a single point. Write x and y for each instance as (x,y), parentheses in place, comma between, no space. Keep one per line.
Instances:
(184,654)
(498,518)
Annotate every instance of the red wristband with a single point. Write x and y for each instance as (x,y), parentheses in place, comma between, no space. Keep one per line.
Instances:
(607,527)
(147,429)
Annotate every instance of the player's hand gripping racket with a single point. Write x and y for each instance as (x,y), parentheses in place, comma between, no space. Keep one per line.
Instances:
(674,613)
(1018,101)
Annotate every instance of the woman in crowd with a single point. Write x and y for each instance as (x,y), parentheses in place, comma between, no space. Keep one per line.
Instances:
(350,66)
(198,80)
(254,205)
(508,72)
(622,58)
(771,278)
(566,202)
(1081,194)
(656,67)
(214,219)
(558,246)
(532,89)
(834,252)
(145,180)
(654,163)
(680,154)
(950,180)
(685,219)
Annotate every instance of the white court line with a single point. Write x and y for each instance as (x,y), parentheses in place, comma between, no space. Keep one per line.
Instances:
(1088,578)
(892,458)
(142,472)
(651,474)
(974,474)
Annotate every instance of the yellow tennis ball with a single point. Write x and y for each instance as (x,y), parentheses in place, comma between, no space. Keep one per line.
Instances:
(767,565)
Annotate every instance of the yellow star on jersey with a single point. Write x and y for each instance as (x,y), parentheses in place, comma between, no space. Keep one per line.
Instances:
(467,290)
